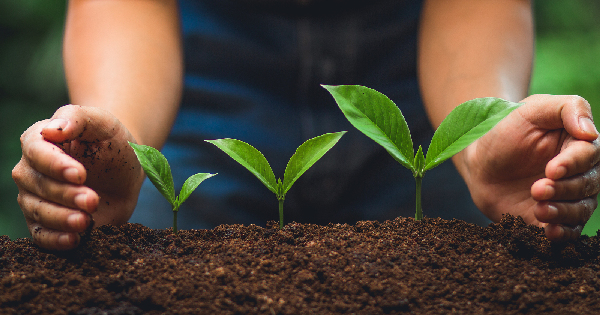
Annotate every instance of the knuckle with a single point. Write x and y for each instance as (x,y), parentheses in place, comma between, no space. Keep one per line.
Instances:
(578,101)
(38,187)
(24,136)
(592,183)
(35,212)
(20,200)
(17,172)
(587,207)
(30,206)
(37,233)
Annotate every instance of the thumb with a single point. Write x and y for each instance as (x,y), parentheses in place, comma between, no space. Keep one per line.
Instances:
(571,112)
(84,123)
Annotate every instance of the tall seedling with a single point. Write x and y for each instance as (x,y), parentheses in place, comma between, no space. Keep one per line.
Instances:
(375,115)
(157,169)
(306,155)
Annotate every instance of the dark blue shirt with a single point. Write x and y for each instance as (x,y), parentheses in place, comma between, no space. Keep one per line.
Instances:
(253,73)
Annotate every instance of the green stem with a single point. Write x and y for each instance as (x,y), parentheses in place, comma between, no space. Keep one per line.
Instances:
(419,212)
(175,222)
(281,213)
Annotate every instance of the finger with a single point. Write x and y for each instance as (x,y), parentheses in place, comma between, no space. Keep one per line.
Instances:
(51,161)
(65,194)
(578,157)
(48,158)
(52,215)
(572,188)
(84,123)
(570,214)
(52,239)
(571,112)
(557,233)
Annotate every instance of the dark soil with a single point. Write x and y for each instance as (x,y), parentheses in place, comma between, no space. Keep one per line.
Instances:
(402,266)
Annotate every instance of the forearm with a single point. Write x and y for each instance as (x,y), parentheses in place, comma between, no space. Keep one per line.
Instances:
(473,48)
(469,49)
(126,57)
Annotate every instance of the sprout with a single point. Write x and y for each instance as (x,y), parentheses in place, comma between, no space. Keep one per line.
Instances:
(306,155)
(375,115)
(158,170)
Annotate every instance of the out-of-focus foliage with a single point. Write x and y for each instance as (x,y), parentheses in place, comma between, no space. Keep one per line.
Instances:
(568,49)
(568,56)
(32,82)
(31,87)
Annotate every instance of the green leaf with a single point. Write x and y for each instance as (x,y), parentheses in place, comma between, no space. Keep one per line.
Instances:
(465,124)
(190,185)
(419,163)
(157,169)
(250,158)
(375,115)
(306,155)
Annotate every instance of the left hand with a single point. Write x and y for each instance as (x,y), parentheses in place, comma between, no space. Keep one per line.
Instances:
(541,163)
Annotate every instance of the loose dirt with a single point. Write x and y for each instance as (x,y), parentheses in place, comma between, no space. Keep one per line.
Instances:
(401,266)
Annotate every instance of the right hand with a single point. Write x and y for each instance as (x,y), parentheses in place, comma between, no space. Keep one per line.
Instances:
(76,166)
(540,163)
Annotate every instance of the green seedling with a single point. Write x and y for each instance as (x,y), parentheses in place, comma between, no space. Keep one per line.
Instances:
(306,155)
(375,115)
(158,170)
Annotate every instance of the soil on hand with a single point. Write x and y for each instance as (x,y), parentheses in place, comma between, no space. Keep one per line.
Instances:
(432,266)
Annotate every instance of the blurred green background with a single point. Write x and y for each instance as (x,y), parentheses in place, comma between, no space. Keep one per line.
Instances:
(32,81)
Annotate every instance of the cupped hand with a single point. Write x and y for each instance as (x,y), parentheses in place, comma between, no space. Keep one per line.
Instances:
(541,163)
(77,169)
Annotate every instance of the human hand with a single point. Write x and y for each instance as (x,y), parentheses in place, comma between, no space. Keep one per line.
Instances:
(541,163)
(76,166)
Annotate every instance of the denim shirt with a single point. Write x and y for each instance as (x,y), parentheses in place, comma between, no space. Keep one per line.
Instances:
(253,73)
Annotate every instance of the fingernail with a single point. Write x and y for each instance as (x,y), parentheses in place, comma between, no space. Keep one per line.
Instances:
(552,212)
(58,124)
(548,192)
(68,240)
(71,174)
(561,171)
(81,201)
(587,125)
(78,221)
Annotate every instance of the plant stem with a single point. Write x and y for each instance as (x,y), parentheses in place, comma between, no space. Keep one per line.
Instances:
(419,212)
(175,222)
(281,213)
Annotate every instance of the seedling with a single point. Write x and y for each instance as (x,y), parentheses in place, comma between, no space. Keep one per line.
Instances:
(306,155)
(375,115)
(158,170)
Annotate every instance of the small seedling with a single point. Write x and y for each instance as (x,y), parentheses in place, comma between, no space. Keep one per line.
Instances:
(158,170)
(306,155)
(375,115)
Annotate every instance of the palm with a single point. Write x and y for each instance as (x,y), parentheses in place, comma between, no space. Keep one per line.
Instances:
(509,159)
